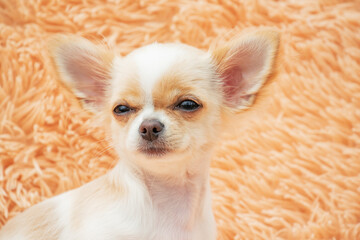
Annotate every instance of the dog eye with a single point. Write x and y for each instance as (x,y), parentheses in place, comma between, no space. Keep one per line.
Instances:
(121,109)
(188,106)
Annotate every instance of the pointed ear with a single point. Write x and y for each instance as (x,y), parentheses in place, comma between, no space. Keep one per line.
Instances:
(84,67)
(244,66)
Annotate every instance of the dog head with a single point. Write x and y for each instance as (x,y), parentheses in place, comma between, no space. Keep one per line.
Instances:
(163,103)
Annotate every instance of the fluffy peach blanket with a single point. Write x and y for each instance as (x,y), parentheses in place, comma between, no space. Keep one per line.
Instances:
(288,169)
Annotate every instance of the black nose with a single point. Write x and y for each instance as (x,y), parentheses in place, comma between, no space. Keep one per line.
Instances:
(150,129)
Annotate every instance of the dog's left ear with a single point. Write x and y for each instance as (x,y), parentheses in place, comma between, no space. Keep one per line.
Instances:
(244,66)
(84,67)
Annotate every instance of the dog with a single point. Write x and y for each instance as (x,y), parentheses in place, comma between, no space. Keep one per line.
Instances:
(163,107)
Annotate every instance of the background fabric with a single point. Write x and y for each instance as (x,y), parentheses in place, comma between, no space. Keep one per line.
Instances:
(287,169)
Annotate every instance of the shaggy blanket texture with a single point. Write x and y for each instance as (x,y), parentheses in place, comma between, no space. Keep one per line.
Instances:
(287,169)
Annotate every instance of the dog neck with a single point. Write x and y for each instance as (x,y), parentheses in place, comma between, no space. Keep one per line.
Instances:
(178,200)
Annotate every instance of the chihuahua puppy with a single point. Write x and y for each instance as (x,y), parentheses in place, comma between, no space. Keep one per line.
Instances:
(162,105)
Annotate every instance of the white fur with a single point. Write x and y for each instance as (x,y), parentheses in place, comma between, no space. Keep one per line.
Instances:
(154,60)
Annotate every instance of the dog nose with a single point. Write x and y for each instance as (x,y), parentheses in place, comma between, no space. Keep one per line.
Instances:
(150,129)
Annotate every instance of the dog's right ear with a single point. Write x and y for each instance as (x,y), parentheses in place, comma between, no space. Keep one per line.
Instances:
(84,67)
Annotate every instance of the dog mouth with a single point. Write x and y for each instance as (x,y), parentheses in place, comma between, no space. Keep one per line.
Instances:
(154,150)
